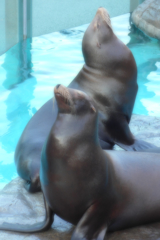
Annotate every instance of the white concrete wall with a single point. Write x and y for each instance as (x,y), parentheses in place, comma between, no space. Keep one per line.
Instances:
(2,26)
(54,15)
(47,16)
(9,24)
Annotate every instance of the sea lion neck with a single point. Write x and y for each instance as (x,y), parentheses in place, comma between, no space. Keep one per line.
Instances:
(94,71)
(73,126)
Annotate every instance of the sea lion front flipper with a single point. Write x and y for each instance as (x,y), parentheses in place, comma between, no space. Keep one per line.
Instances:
(119,130)
(33,186)
(27,228)
(91,226)
(139,146)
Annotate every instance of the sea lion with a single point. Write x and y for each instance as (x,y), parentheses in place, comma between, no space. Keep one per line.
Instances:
(109,76)
(97,190)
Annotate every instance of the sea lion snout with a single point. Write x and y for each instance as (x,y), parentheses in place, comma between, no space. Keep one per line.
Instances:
(58,85)
(60,89)
(63,98)
(102,11)
(103,15)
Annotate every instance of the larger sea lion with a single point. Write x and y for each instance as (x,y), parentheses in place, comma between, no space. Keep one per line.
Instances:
(97,190)
(109,77)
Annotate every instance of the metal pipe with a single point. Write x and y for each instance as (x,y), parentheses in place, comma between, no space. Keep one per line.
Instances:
(24,19)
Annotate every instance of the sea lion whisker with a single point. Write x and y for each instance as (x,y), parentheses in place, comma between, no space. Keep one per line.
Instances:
(67,97)
(68,100)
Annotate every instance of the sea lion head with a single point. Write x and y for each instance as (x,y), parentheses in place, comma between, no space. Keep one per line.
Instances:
(73,101)
(77,115)
(97,35)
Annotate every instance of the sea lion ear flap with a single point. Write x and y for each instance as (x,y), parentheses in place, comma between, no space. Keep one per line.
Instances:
(93,110)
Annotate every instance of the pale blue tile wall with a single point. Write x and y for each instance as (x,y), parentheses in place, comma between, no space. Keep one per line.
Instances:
(54,15)
(47,16)
(2,26)
(9,24)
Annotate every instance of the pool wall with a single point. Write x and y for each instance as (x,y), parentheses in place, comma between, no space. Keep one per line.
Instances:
(62,14)
(2,26)
(10,23)
(48,16)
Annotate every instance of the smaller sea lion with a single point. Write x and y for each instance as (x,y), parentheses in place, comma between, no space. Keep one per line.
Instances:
(97,190)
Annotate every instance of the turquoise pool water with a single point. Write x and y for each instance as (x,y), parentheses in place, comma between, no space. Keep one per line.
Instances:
(30,70)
